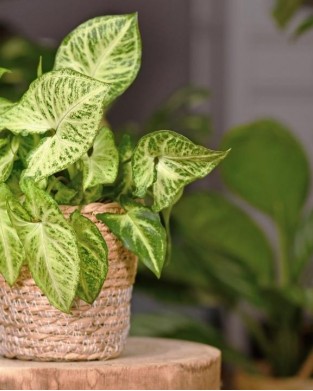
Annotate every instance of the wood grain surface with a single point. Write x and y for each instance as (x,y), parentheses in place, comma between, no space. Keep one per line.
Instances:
(146,363)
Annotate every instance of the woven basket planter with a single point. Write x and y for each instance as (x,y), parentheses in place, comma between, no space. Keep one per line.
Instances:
(31,329)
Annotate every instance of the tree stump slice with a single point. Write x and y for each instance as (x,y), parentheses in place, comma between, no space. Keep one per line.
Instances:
(146,363)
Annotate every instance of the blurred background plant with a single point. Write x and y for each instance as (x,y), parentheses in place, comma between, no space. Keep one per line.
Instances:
(22,57)
(285,11)
(221,255)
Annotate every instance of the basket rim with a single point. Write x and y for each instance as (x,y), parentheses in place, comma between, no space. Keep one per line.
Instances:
(93,207)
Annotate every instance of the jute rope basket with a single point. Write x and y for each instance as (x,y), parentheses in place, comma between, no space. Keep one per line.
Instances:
(31,329)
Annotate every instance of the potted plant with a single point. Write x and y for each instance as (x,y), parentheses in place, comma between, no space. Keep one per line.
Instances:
(75,207)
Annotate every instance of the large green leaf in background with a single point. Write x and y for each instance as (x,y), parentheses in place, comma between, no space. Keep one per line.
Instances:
(212,223)
(93,253)
(101,166)
(268,168)
(66,102)
(12,254)
(284,10)
(141,232)
(168,161)
(107,48)
(50,245)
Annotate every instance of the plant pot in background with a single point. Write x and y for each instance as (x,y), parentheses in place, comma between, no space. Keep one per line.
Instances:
(32,329)
(247,381)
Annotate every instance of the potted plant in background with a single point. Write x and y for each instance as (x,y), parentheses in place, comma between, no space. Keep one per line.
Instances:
(264,275)
(73,204)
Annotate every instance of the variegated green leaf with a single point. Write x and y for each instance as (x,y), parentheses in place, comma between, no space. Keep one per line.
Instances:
(92,194)
(141,232)
(125,183)
(63,194)
(93,253)
(107,48)
(50,245)
(101,166)
(26,145)
(8,148)
(168,161)
(5,105)
(12,254)
(69,104)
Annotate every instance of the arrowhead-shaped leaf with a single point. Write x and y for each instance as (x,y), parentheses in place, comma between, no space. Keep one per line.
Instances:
(50,245)
(12,254)
(93,253)
(8,148)
(141,232)
(101,167)
(168,161)
(69,104)
(107,48)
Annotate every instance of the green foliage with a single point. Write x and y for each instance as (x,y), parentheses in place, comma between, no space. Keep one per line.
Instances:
(226,258)
(105,48)
(50,245)
(285,10)
(12,253)
(55,150)
(265,159)
(66,102)
(141,231)
(93,253)
(101,166)
(167,162)
(220,226)
(268,169)
(21,56)
(305,26)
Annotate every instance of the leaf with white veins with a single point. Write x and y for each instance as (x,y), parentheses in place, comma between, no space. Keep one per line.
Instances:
(12,254)
(5,105)
(50,245)
(101,167)
(93,253)
(66,102)
(107,48)
(168,161)
(7,156)
(141,232)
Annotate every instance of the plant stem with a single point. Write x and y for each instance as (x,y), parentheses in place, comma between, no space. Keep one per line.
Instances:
(166,214)
(257,332)
(283,258)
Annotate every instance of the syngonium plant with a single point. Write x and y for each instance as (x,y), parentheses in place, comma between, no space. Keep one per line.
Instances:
(56,148)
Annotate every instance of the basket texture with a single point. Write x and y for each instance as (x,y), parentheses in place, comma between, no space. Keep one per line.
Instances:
(31,329)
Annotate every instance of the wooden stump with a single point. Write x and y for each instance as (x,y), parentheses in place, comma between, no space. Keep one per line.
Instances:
(146,363)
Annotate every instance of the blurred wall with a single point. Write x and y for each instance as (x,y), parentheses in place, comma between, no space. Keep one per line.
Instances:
(267,74)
